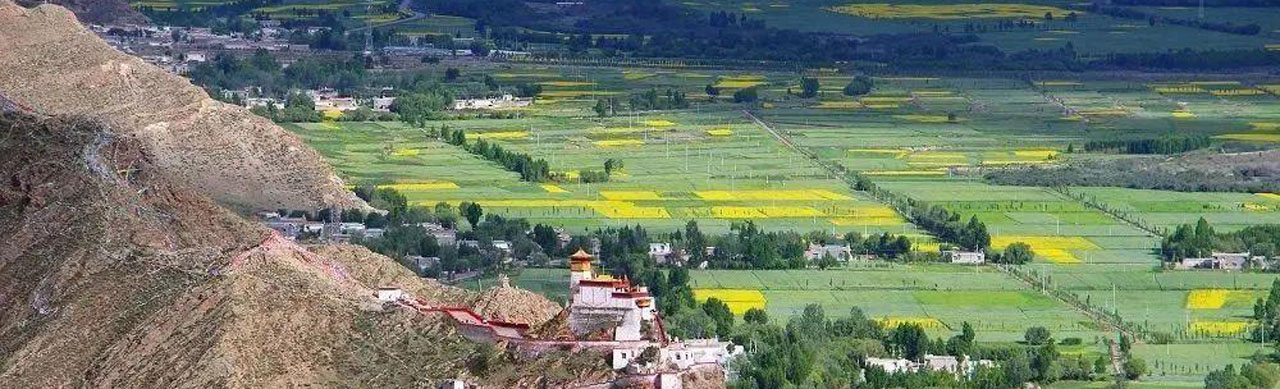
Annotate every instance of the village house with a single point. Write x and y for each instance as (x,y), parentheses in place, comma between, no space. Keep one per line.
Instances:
(421,264)
(444,236)
(504,101)
(939,363)
(1222,261)
(839,252)
(965,257)
(890,365)
(681,354)
(660,252)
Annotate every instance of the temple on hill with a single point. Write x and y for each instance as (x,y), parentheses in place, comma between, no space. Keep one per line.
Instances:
(601,303)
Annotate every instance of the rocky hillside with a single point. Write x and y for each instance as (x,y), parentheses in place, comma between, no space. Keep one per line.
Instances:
(54,65)
(97,11)
(111,275)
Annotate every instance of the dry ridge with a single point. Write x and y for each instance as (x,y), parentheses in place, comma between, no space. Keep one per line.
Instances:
(56,66)
(112,276)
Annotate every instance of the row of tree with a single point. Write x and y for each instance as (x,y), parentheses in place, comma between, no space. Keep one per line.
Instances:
(1163,145)
(947,227)
(530,169)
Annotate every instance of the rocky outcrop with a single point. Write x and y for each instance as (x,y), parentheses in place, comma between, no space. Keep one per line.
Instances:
(55,66)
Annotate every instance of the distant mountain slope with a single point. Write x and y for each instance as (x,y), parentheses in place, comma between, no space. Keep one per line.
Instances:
(111,275)
(97,11)
(54,65)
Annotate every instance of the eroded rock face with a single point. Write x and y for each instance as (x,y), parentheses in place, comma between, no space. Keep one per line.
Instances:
(57,67)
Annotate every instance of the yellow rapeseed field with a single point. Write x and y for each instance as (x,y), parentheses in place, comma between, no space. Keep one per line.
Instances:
(630,195)
(566,84)
(1037,154)
(738,300)
(770,194)
(1218,298)
(720,132)
(1056,249)
(574,93)
(1256,207)
(1251,137)
(1237,92)
(420,186)
(763,212)
(932,93)
(896,153)
(1265,126)
(1269,196)
(659,123)
(619,142)
(845,104)
(1178,89)
(1182,114)
(405,152)
(625,210)
(934,172)
(1207,298)
(739,82)
(553,188)
(946,11)
(499,135)
(865,221)
(1219,327)
(924,322)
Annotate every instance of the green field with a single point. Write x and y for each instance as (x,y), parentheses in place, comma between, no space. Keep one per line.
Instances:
(926,138)
(1088,34)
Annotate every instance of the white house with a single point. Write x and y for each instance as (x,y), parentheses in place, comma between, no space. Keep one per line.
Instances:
(504,101)
(893,365)
(1223,261)
(660,252)
(839,252)
(965,257)
(682,354)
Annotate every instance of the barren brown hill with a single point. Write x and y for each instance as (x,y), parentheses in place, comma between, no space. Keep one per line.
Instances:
(113,276)
(97,11)
(57,67)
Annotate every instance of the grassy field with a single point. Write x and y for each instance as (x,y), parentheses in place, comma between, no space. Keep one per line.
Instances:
(927,138)
(1088,33)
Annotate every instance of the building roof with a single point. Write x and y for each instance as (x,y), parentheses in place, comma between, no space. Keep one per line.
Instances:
(580,256)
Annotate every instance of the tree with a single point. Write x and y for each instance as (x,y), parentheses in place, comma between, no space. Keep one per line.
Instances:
(1036,335)
(1017,370)
(472,212)
(910,340)
(1100,365)
(860,85)
(1017,253)
(1134,368)
(809,87)
(602,107)
(612,164)
(756,316)
(720,313)
(452,74)
(746,95)
(712,90)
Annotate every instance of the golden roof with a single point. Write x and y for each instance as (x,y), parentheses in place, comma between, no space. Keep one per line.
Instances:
(580,256)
